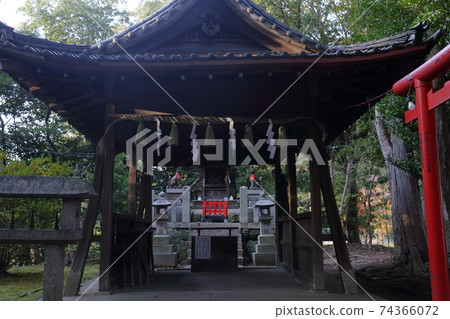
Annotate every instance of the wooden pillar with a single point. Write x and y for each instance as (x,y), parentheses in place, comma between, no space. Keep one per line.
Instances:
(132,178)
(316,227)
(148,199)
(106,241)
(76,272)
(340,246)
(281,207)
(145,197)
(292,186)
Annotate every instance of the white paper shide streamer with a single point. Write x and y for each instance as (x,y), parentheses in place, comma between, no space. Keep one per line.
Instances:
(195,150)
(232,132)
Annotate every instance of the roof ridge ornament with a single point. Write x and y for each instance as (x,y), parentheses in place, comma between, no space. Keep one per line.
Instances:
(210,25)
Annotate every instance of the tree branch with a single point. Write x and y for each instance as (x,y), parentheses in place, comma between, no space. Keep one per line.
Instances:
(47,132)
(344,192)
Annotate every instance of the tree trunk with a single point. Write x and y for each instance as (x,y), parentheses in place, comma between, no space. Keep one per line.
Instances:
(368,225)
(47,132)
(443,139)
(3,138)
(407,218)
(352,213)
(344,192)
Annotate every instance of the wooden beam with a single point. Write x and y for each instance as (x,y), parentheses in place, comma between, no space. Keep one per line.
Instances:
(132,179)
(278,210)
(282,205)
(106,241)
(148,197)
(76,272)
(340,246)
(292,186)
(316,227)
(141,204)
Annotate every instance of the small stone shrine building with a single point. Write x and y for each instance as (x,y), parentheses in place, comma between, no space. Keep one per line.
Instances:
(199,65)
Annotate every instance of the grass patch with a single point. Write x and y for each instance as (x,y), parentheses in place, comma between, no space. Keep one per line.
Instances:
(20,280)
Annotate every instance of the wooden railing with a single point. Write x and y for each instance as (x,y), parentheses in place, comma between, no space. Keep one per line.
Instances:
(215,210)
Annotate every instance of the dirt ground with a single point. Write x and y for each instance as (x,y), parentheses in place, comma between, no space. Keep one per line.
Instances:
(378,273)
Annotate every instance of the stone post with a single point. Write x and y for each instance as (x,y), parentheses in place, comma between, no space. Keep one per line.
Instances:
(54,254)
(53,273)
(186,205)
(243,204)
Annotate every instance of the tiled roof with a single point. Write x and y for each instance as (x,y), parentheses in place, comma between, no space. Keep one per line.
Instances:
(10,40)
(166,13)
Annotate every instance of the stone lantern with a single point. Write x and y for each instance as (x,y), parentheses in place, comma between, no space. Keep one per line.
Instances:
(163,250)
(266,250)
(263,206)
(161,217)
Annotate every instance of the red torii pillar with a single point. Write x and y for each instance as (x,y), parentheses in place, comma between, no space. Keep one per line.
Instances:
(426,100)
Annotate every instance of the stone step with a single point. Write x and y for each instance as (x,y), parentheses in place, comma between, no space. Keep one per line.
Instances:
(162,249)
(169,259)
(264,259)
(265,248)
(188,261)
(216,232)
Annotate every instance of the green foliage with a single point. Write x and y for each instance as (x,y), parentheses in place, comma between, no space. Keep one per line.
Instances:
(357,153)
(43,166)
(73,21)
(120,190)
(28,129)
(147,7)
(436,12)
(249,240)
(368,20)
(94,252)
(392,109)
(45,211)
(317,19)
(350,21)
(180,238)
(162,175)
(24,283)
(242,177)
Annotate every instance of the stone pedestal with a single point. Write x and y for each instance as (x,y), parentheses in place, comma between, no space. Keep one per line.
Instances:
(266,250)
(163,251)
